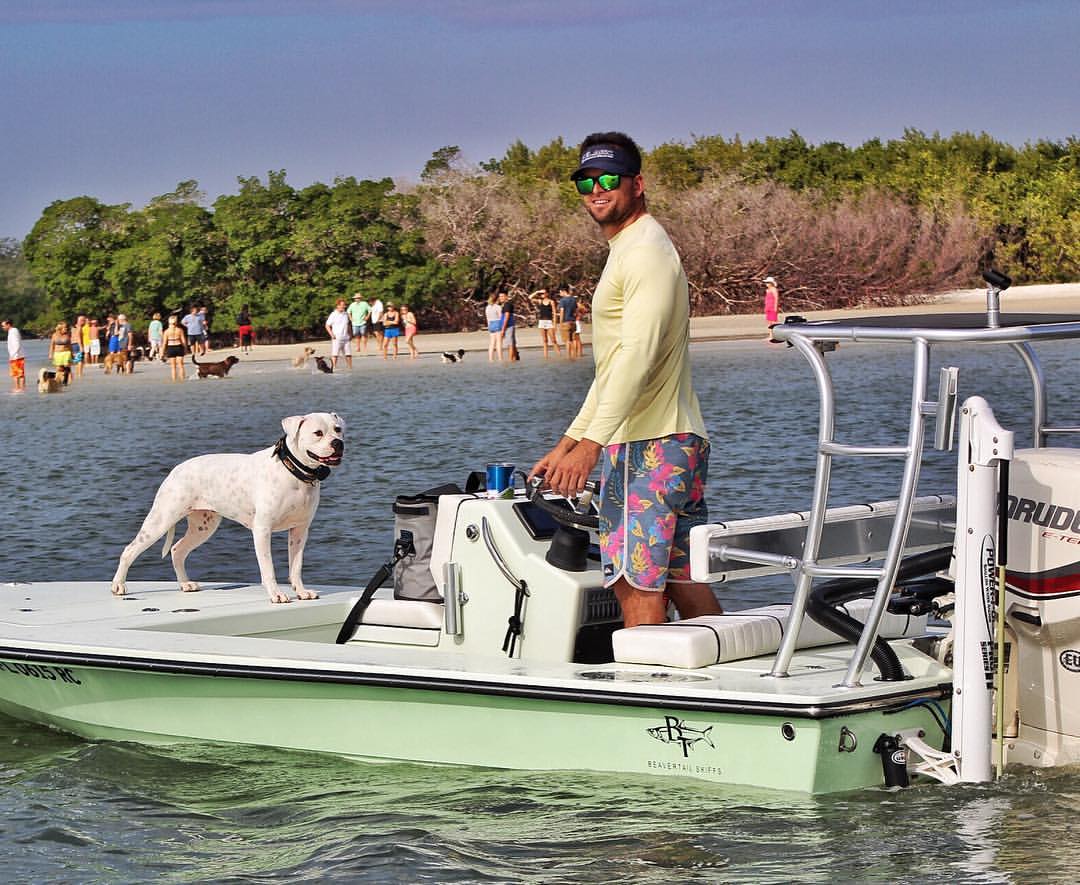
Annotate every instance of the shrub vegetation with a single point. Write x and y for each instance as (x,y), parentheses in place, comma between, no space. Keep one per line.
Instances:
(881,223)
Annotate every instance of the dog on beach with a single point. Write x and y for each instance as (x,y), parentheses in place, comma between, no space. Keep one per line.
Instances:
(218,370)
(50,381)
(451,357)
(300,361)
(268,491)
(324,366)
(120,362)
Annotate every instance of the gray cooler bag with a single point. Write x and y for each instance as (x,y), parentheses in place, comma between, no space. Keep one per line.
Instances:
(416,514)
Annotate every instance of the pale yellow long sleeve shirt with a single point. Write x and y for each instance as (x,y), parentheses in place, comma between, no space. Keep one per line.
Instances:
(641,337)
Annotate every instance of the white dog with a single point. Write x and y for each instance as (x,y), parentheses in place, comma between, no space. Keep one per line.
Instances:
(268,491)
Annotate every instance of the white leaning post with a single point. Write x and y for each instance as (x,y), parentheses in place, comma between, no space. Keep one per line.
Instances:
(983,443)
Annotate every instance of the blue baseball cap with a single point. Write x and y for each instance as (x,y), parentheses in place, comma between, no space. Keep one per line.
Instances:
(606,158)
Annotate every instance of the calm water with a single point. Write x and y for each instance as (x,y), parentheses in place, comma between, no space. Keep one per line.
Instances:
(81,469)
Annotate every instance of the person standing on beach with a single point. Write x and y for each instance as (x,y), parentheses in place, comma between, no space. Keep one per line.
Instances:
(338,327)
(110,333)
(125,343)
(772,306)
(16,358)
(205,317)
(95,342)
(376,317)
(359,311)
(77,354)
(508,328)
(391,322)
(545,320)
(245,332)
(567,313)
(193,325)
(408,319)
(579,318)
(60,346)
(84,340)
(154,333)
(493,316)
(175,344)
(641,412)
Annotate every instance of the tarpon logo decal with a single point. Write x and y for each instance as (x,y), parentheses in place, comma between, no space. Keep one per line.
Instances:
(676,731)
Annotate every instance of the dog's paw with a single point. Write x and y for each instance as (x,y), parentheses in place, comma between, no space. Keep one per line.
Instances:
(279,596)
(119,588)
(190,586)
(304,593)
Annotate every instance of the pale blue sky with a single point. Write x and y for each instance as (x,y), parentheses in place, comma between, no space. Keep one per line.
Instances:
(121,99)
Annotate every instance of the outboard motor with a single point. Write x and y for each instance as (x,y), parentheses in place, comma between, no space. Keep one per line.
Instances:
(1042,726)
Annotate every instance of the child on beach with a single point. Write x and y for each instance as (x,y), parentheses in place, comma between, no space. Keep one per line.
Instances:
(772,306)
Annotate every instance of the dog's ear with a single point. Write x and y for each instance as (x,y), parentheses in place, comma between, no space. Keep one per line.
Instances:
(292,425)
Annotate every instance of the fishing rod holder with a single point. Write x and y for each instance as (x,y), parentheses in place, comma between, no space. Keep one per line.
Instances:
(996,283)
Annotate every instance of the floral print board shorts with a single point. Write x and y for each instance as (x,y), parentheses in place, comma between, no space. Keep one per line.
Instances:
(652,492)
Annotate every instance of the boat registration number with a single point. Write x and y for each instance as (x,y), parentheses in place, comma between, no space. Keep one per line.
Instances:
(41,671)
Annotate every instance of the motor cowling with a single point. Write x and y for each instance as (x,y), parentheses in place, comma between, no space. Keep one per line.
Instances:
(1043,601)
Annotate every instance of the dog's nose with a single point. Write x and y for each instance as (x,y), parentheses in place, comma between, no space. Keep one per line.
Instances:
(337,445)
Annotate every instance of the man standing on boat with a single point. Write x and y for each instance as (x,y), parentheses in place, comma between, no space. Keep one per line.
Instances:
(641,412)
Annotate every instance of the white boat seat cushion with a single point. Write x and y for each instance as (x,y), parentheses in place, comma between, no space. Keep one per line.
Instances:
(402,613)
(717,639)
(400,622)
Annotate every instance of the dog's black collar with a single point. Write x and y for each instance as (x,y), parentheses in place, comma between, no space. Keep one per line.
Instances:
(302,472)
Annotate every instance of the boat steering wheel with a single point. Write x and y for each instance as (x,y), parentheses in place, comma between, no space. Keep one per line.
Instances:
(564,511)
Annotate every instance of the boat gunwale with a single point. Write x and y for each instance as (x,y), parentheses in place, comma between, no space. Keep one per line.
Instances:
(811,710)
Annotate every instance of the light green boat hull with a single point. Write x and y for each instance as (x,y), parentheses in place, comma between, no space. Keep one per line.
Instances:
(457,727)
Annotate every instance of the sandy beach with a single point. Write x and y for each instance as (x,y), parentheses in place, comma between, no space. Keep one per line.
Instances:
(1060,298)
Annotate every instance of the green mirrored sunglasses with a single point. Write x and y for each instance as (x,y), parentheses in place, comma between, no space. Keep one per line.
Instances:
(608,182)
